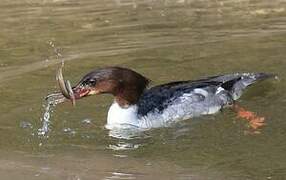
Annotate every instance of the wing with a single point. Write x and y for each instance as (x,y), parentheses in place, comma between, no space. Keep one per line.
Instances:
(159,97)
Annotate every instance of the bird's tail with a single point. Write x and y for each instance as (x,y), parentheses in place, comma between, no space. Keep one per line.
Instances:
(244,80)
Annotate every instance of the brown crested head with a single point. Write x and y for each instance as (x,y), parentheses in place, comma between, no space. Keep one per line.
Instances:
(125,84)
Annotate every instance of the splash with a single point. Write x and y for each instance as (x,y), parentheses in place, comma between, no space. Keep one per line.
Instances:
(51,100)
(43,131)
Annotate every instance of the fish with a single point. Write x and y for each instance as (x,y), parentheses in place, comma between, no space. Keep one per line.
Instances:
(65,85)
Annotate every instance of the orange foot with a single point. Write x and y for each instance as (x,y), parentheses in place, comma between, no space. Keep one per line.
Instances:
(255,122)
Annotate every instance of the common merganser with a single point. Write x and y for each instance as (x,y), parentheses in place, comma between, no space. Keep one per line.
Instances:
(141,107)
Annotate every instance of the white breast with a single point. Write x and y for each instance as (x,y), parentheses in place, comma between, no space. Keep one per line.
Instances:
(120,117)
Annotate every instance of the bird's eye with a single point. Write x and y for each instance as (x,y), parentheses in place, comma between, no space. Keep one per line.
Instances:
(89,82)
(92,82)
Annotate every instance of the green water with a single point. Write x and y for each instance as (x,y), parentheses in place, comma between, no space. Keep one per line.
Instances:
(165,40)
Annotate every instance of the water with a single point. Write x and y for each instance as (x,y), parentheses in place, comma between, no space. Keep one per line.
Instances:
(164,40)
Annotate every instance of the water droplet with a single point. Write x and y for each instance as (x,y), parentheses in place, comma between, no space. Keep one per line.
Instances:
(86,121)
(26,125)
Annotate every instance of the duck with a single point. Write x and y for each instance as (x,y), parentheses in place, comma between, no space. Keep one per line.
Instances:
(138,105)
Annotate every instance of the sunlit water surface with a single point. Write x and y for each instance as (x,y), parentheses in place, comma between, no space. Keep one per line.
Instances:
(165,40)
